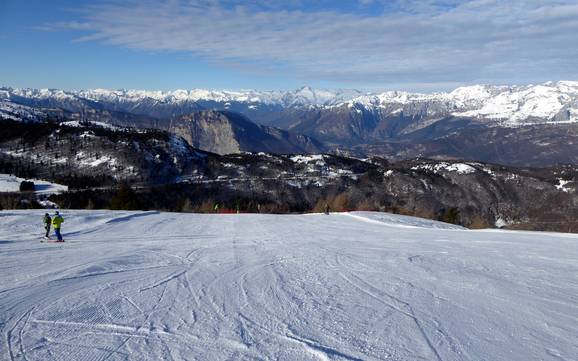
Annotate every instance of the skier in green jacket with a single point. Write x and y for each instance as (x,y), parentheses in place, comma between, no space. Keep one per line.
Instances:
(47,222)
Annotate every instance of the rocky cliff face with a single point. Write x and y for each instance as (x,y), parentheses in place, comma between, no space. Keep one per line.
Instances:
(226,132)
(211,131)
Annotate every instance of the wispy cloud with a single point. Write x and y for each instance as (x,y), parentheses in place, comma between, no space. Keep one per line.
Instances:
(400,41)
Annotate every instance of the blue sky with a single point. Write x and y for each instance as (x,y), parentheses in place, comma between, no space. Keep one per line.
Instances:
(414,45)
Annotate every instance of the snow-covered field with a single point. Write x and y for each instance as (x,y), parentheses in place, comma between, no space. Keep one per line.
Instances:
(10,183)
(369,286)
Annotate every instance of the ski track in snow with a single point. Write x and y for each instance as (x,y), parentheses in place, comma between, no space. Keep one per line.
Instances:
(353,286)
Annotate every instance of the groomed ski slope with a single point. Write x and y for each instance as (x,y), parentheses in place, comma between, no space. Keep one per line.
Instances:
(360,286)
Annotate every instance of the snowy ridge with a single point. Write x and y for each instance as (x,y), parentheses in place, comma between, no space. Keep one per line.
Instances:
(305,96)
(505,105)
(12,111)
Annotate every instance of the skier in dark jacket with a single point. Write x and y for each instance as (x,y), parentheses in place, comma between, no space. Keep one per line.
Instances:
(47,222)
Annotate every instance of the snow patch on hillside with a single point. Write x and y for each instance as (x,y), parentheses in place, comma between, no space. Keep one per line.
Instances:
(12,111)
(562,185)
(317,158)
(11,183)
(78,124)
(460,168)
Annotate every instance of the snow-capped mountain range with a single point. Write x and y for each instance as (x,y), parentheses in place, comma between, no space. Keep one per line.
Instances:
(512,105)
(305,96)
(530,125)
(507,105)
